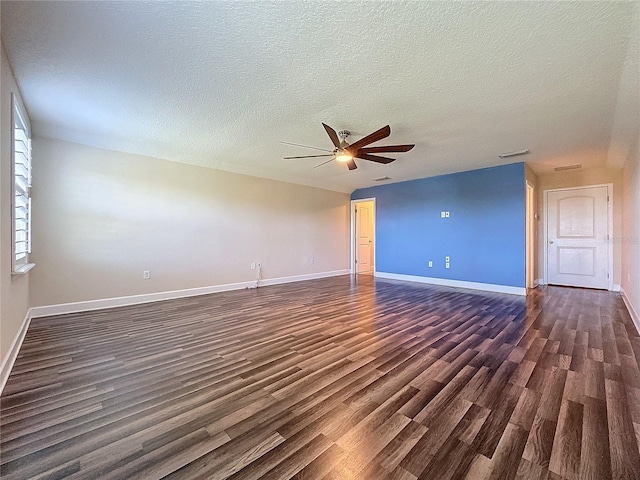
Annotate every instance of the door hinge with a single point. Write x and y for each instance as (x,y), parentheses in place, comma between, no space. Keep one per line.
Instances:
(356,260)
(607,275)
(607,198)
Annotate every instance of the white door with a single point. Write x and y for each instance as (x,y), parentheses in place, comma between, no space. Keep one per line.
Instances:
(577,237)
(364,237)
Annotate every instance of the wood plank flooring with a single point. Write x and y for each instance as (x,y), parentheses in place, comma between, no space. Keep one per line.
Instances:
(340,378)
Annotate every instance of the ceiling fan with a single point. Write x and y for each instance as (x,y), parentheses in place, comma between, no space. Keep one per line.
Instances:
(345,152)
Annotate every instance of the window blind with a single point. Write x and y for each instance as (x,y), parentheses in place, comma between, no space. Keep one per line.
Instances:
(22,185)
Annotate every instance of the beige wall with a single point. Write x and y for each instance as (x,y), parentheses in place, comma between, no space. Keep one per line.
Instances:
(14,289)
(631,227)
(102,217)
(580,178)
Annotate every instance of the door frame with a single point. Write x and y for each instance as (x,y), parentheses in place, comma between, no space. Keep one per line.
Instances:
(354,238)
(530,234)
(609,226)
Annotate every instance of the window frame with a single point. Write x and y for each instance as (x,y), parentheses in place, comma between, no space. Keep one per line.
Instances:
(18,115)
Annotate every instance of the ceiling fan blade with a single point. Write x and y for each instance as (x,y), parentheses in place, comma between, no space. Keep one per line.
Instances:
(375,158)
(324,163)
(308,156)
(332,135)
(306,146)
(384,132)
(385,149)
(351,164)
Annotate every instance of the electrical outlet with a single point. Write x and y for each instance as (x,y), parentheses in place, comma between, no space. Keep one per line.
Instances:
(446,265)
(253,265)
(430,264)
(446,259)
(146,275)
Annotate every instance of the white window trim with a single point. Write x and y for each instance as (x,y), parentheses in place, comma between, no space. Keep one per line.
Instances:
(22,266)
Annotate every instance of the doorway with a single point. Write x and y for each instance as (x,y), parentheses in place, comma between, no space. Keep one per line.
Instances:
(578,228)
(363,236)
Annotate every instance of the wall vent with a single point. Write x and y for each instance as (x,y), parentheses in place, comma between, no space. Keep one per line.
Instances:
(568,167)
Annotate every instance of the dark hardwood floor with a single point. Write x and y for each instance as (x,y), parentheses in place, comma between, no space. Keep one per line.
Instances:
(340,378)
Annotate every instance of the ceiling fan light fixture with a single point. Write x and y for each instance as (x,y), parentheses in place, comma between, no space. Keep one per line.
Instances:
(343,156)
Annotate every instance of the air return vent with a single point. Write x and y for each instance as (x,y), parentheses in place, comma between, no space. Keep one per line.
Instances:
(517,153)
(568,167)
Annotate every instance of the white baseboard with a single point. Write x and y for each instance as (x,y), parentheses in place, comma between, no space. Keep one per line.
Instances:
(632,311)
(301,278)
(539,281)
(12,354)
(615,288)
(487,287)
(63,308)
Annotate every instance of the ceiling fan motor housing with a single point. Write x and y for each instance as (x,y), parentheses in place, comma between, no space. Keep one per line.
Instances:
(343,134)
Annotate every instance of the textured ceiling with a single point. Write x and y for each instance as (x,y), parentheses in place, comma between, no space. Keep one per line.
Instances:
(220,83)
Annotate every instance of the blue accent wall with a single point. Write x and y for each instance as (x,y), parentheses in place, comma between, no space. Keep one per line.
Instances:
(484,235)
